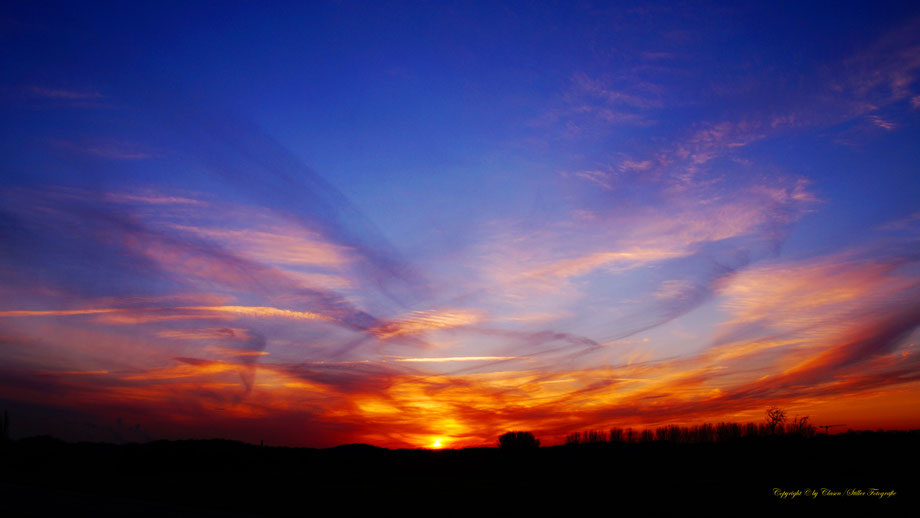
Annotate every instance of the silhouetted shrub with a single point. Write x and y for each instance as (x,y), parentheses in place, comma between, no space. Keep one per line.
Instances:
(518,441)
(616,435)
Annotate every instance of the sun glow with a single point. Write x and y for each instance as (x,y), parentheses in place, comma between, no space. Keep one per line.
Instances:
(436,444)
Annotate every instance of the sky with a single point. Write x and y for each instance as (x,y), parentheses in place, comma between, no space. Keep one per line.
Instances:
(429,223)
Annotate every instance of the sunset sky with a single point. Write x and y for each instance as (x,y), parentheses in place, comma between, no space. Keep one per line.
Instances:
(405,223)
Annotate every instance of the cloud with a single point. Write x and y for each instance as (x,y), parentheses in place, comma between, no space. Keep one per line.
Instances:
(106,148)
(137,315)
(615,242)
(422,321)
(251,163)
(162,249)
(60,93)
(634,165)
(455,359)
(152,199)
(584,85)
(590,105)
(882,123)
(75,373)
(578,266)
(716,140)
(600,178)
(213,333)
(261,312)
(56,313)
(503,371)
(885,70)
(277,245)
(813,302)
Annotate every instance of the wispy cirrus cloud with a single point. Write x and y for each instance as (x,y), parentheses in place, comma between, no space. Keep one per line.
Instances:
(421,321)
(62,93)
(590,103)
(105,148)
(57,96)
(152,199)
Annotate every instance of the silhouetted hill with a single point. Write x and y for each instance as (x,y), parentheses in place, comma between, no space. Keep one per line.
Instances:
(237,479)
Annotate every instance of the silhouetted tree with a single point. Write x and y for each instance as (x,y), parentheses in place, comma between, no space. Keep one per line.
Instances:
(800,426)
(728,431)
(705,433)
(629,435)
(594,436)
(775,418)
(518,441)
(672,433)
(586,437)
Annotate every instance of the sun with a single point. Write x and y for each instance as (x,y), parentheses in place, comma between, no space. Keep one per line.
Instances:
(437,443)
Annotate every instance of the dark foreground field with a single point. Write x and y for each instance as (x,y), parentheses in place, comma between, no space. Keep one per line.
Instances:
(45,477)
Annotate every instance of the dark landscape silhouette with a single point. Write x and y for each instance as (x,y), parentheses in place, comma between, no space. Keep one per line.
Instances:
(721,464)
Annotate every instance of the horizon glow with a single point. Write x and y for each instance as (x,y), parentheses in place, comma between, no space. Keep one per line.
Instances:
(424,227)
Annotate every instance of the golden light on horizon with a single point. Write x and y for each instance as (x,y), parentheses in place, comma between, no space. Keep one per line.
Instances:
(436,444)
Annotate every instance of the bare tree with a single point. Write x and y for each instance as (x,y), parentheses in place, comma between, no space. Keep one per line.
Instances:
(801,426)
(776,416)
(594,436)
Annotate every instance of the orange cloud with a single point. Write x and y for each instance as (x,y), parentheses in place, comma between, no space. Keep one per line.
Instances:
(456,359)
(214,333)
(261,312)
(422,321)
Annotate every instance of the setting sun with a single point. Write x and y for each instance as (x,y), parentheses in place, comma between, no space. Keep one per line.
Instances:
(437,443)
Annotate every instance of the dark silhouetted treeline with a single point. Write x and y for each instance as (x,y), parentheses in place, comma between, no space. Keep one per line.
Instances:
(704,433)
